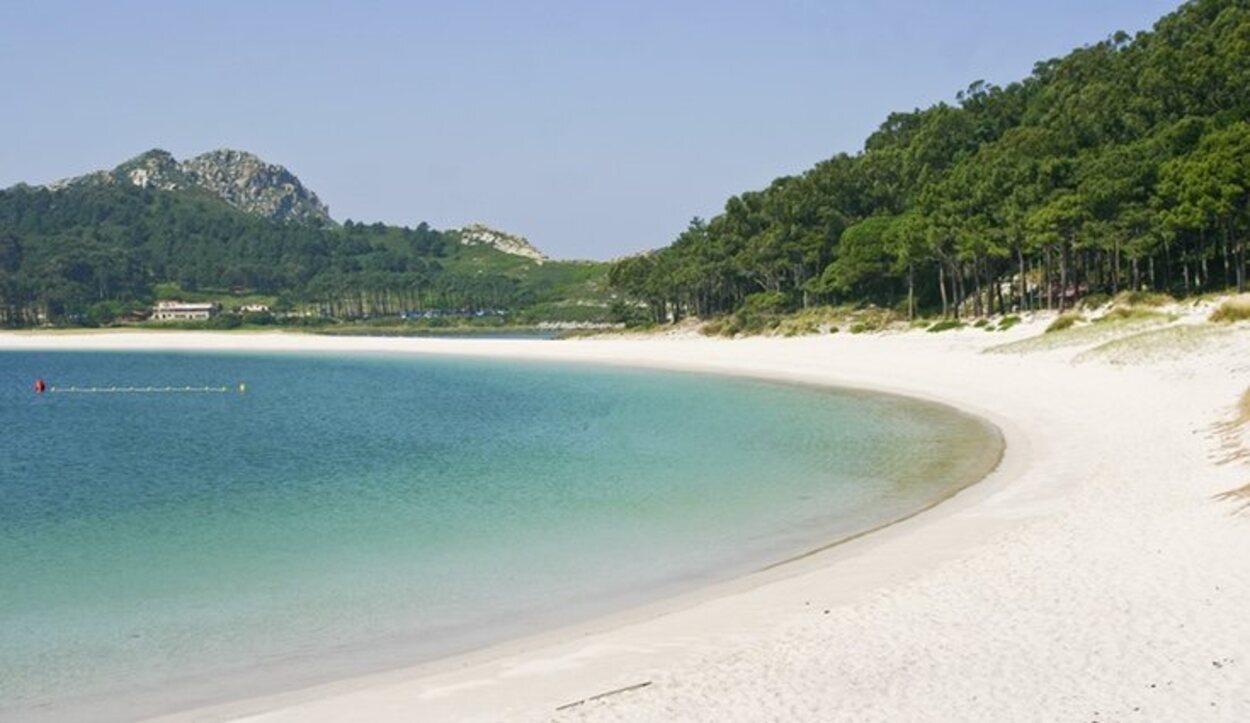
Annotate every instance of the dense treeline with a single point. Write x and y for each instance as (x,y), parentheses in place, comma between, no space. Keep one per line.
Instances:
(1124,165)
(90,251)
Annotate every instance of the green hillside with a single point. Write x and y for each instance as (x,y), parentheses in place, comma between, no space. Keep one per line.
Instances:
(90,251)
(1123,165)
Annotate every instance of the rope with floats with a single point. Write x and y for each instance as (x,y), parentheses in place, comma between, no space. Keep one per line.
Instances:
(42,387)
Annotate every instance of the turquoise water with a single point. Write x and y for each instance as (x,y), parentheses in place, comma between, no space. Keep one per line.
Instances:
(352,514)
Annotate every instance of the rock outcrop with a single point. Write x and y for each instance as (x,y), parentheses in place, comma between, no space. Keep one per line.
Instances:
(239,178)
(478,235)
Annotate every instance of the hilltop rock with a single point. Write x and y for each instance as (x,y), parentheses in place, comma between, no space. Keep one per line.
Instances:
(479,235)
(240,179)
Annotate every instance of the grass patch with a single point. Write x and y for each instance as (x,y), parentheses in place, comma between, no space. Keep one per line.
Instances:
(1143,298)
(1064,321)
(723,326)
(813,320)
(1007,322)
(1128,313)
(1232,310)
(946,325)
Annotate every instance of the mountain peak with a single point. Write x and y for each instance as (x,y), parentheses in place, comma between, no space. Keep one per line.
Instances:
(248,183)
(239,178)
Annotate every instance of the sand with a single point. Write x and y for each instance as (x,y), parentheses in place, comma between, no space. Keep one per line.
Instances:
(1094,576)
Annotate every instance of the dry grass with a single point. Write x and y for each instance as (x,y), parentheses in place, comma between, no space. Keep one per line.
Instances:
(1124,313)
(1064,321)
(1232,310)
(1231,435)
(1142,298)
(816,320)
(1239,496)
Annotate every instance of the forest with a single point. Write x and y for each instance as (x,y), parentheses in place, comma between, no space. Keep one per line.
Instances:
(87,254)
(1124,165)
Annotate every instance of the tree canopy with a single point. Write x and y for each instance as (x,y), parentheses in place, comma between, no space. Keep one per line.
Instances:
(87,252)
(1123,165)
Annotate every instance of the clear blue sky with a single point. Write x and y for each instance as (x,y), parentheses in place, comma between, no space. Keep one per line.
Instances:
(593,128)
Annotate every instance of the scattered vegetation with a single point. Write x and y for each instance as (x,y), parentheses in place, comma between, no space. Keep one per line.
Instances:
(1234,309)
(1064,321)
(1168,343)
(813,320)
(1143,298)
(1130,313)
(946,325)
(1007,322)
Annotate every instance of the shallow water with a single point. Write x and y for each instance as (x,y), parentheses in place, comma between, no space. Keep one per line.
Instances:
(353,513)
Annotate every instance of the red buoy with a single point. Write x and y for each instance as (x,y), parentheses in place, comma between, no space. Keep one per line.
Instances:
(40,386)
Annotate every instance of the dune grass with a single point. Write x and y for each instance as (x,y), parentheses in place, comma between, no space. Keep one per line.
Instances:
(1152,345)
(1125,313)
(1230,432)
(1143,298)
(1064,321)
(1232,310)
(1077,335)
(945,325)
(1007,322)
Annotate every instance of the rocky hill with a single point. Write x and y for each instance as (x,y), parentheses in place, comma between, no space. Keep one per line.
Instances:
(478,235)
(239,178)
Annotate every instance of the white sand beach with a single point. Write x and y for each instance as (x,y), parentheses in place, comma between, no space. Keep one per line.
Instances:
(1095,576)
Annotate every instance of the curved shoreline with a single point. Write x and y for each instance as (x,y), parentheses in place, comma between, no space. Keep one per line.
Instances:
(786,567)
(1046,552)
(981,454)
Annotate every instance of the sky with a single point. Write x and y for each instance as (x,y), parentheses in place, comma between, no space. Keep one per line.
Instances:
(595,129)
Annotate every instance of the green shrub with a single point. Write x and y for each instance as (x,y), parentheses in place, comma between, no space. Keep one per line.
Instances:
(1007,322)
(224,321)
(981,323)
(946,325)
(1064,321)
(762,311)
(859,328)
(766,302)
(631,315)
(1234,309)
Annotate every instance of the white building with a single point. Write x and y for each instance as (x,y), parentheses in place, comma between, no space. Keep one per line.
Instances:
(254,309)
(180,311)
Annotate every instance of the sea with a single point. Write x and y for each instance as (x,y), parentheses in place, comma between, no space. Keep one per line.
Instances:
(179,529)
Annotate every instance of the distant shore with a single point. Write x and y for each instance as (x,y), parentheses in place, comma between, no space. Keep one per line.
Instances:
(1093,573)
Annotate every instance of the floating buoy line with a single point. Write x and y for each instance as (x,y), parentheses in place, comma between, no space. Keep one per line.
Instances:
(43,388)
